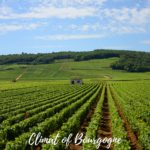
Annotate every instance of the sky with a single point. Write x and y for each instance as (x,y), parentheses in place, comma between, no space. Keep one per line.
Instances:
(43,26)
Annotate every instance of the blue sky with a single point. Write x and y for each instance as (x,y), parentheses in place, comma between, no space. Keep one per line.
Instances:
(38,26)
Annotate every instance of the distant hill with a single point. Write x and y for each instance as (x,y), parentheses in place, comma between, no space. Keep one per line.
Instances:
(132,61)
(65,69)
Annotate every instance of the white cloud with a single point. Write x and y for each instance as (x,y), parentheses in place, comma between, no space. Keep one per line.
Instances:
(127,15)
(121,21)
(86,27)
(40,9)
(147,42)
(68,3)
(111,28)
(49,12)
(118,20)
(70,37)
(78,9)
(5,12)
(68,12)
(123,29)
(15,27)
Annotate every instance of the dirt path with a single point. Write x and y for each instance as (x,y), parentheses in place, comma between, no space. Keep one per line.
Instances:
(18,77)
(105,124)
(85,124)
(107,76)
(131,136)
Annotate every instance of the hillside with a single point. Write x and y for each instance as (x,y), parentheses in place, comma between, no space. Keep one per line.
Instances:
(67,68)
(131,61)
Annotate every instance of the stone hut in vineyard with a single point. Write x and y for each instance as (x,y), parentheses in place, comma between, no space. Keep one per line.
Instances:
(76,81)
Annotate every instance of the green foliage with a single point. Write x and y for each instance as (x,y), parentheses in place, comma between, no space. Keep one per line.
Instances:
(61,108)
(94,123)
(138,62)
(47,58)
(73,123)
(118,129)
(134,98)
(51,124)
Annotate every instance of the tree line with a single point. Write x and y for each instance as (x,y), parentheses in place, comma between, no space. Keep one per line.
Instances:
(129,60)
(137,62)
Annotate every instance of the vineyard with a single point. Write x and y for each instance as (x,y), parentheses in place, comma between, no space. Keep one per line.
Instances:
(108,109)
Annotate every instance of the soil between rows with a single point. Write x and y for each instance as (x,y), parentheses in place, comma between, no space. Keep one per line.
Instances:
(105,124)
